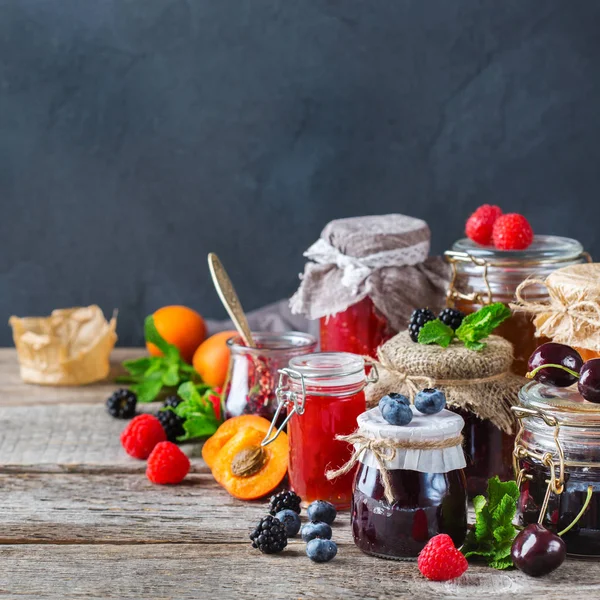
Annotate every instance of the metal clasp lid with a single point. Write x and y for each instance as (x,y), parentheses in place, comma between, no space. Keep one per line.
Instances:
(453,294)
(285,398)
(555,484)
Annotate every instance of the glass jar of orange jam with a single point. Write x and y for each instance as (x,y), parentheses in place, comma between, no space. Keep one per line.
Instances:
(482,275)
(323,395)
(359,329)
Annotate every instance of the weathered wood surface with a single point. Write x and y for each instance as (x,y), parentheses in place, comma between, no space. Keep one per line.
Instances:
(185,571)
(70,437)
(14,392)
(79,519)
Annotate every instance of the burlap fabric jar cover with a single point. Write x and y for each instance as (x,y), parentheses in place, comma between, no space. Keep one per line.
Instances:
(572,316)
(478,385)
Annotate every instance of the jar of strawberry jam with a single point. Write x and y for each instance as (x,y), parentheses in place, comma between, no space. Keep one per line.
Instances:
(364,278)
(323,396)
(410,484)
(253,372)
(482,275)
(557,464)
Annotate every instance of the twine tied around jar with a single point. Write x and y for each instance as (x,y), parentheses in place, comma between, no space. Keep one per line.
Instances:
(571,316)
(384,450)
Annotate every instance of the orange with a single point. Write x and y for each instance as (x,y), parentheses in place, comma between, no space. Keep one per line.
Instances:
(211,359)
(180,326)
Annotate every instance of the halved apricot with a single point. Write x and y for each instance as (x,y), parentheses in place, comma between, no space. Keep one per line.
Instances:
(247,470)
(227,430)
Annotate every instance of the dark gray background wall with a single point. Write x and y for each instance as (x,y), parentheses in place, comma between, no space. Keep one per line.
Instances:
(137,135)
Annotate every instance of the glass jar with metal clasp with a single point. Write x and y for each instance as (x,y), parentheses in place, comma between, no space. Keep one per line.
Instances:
(557,464)
(323,396)
(482,275)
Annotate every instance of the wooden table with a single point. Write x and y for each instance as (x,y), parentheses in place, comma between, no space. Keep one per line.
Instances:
(79,519)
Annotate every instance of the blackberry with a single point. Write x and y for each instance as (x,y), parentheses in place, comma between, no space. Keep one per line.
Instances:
(172,424)
(451,317)
(419,317)
(269,535)
(172,402)
(121,404)
(283,500)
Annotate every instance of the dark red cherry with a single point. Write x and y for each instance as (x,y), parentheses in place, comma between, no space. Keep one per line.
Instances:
(556,354)
(589,380)
(537,551)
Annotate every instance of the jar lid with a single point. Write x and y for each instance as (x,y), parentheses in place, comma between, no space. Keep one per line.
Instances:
(441,426)
(566,405)
(329,369)
(544,248)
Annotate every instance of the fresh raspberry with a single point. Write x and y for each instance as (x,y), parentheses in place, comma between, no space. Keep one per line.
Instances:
(512,232)
(167,464)
(440,560)
(481,223)
(141,435)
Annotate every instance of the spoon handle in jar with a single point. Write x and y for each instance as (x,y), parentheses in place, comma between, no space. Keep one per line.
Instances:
(229,298)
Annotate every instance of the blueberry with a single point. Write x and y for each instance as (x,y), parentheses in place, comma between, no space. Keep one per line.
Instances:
(392,397)
(291,520)
(313,530)
(319,510)
(396,413)
(430,401)
(321,550)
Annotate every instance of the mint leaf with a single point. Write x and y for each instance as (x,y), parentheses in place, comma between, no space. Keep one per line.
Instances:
(197,410)
(481,324)
(436,332)
(148,390)
(171,376)
(138,366)
(491,538)
(475,346)
(198,428)
(151,334)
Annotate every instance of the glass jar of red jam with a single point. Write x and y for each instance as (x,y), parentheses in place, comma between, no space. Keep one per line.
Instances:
(428,486)
(557,458)
(359,329)
(253,372)
(323,394)
(482,275)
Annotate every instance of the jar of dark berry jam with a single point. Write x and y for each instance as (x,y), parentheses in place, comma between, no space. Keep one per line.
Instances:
(253,372)
(323,395)
(556,461)
(426,492)
(482,275)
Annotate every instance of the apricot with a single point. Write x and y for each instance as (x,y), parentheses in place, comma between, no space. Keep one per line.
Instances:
(211,359)
(227,430)
(180,326)
(247,470)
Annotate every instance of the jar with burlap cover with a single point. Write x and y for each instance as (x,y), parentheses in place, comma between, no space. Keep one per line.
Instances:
(477,382)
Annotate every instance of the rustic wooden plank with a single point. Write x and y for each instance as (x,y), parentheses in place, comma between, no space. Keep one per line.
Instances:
(69,437)
(86,508)
(232,571)
(13,391)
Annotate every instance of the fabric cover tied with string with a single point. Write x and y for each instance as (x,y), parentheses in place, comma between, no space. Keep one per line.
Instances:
(572,316)
(478,382)
(384,257)
(428,444)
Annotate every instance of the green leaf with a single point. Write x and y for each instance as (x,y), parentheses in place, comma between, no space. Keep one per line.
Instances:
(148,389)
(502,563)
(497,490)
(475,346)
(478,503)
(151,334)
(436,332)
(138,366)
(171,377)
(481,324)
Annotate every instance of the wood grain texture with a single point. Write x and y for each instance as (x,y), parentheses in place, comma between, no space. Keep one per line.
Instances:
(71,438)
(14,392)
(232,571)
(92,509)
